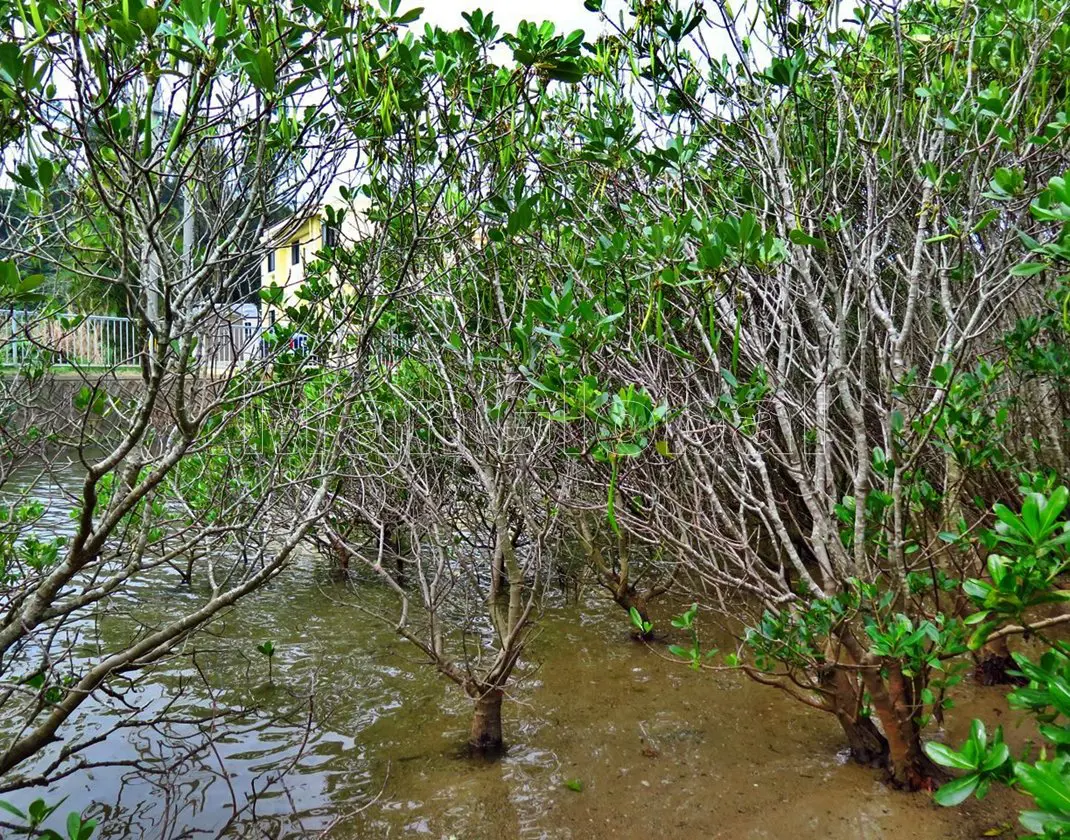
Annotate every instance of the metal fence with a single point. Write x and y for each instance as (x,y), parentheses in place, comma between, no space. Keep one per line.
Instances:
(225,339)
(67,338)
(230,342)
(111,341)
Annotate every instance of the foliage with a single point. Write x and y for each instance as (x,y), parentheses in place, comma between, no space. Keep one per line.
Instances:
(1032,554)
(267,649)
(791,322)
(687,621)
(1025,575)
(150,145)
(982,761)
(37,813)
(644,627)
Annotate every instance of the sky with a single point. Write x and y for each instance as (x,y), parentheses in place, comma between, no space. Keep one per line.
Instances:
(567,15)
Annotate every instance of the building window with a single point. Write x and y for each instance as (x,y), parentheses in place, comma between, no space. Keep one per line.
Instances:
(271,260)
(295,254)
(329,234)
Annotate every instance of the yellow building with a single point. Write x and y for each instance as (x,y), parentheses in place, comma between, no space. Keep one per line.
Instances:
(295,242)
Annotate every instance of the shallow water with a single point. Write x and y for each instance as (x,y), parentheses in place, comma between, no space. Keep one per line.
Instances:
(365,738)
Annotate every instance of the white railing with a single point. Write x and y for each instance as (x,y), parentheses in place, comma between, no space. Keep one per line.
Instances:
(230,342)
(231,338)
(113,341)
(67,338)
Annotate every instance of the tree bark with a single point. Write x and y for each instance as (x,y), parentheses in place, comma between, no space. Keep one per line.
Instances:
(485,737)
(867,745)
(397,541)
(996,661)
(908,766)
(340,554)
(865,741)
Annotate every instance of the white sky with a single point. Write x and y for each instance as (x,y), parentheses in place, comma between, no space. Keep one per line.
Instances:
(567,15)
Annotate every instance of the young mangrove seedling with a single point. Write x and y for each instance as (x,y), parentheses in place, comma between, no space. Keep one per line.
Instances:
(268,649)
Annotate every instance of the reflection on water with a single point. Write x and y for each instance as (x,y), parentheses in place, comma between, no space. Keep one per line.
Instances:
(359,739)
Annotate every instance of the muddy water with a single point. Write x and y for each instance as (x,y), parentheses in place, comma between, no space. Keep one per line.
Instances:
(365,739)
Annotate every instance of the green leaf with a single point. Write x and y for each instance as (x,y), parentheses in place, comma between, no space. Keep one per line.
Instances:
(1039,822)
(410,16)
(272,295)
(74,825)
(1055,505)
(266,66)
(1056,734)
(38,811)
(36,681)
(31,282)
(985,221)
(999,755)
(977,589)
(46,172)
(575,785)
(957,791)
(259,65)
(11,809)
(564,71)
(193,10)
(1046,783)
(148,19)
(1060,694)
(978,735)
(11,63)
(801,237)
(1028,269)
(980,635)
(943,755)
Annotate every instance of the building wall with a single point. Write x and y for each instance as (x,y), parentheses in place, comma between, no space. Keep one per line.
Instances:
(309,239)
(286,275)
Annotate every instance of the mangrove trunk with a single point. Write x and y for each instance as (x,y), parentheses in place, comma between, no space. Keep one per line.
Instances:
(486,734)
(866,744)
(893,700)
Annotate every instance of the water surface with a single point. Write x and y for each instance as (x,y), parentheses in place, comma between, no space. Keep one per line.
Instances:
(358,738)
